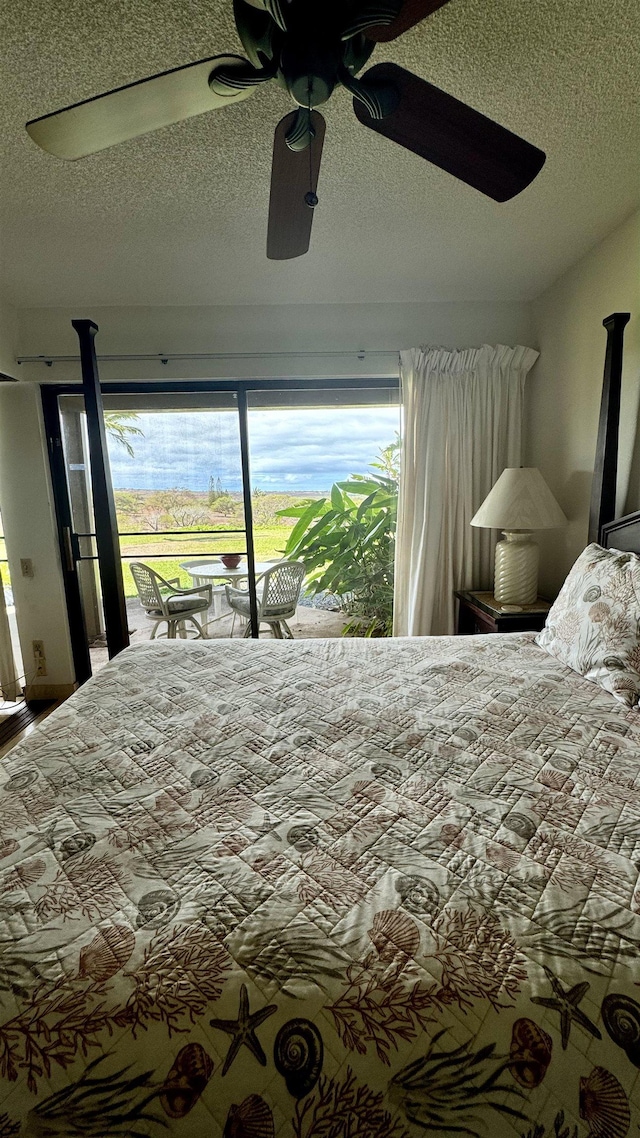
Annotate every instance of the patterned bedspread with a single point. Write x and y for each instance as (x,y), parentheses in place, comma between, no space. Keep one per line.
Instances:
(323,889)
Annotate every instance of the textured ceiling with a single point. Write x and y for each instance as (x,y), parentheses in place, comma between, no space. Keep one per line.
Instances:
(179,217)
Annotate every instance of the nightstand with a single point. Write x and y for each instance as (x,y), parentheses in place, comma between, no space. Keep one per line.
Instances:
(480,613)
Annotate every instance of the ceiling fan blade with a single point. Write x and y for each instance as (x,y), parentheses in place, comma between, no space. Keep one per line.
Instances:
(452,135)
(293,174)
(136,109)
(411,13)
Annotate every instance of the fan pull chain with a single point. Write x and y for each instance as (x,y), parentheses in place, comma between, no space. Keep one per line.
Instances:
(311,198)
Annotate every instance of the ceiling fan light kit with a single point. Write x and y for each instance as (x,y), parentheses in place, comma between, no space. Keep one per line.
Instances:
(309,49)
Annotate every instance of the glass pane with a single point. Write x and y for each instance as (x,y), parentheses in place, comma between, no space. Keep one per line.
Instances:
(177,479)
(76,454)
(326,463)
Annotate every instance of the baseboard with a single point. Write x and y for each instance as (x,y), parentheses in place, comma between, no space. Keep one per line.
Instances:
(34,692)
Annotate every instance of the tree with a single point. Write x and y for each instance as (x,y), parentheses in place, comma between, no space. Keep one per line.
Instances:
(183,507)
(215,490)
(224,505)
(129,504)
(118,425)
(388,459)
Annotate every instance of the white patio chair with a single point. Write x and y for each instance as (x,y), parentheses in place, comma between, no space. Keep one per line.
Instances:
(166,601)
(278,592)
(219,607)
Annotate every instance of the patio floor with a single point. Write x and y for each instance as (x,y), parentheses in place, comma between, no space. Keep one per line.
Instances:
(309,624)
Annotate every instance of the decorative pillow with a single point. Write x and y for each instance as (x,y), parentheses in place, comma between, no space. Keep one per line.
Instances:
(594,625)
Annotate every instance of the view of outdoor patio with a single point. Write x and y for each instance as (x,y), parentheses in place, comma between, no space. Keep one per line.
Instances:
(324,492)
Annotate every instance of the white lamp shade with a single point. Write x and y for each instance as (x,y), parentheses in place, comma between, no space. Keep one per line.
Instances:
(520,500)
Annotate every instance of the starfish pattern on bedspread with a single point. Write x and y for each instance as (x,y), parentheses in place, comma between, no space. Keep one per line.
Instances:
(243,1029)
(565,1001)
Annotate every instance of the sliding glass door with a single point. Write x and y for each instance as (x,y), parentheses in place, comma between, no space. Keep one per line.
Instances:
(324,485)
(258,470)
(176,470)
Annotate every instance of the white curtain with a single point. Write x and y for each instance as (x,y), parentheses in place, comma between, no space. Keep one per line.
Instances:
(462,416)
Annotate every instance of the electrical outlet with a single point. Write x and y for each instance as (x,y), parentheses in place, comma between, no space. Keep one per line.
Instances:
(26,566)
(39,657)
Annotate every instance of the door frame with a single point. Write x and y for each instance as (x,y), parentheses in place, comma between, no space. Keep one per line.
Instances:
(68,555)
(104,507)
(242,390)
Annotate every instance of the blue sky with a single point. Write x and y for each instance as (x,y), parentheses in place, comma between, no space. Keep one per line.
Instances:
(302,449)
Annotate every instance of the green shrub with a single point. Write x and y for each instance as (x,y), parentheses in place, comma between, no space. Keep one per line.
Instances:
(347,543)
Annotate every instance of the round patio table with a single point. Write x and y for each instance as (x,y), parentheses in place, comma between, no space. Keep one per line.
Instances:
(206,572)
(203,572)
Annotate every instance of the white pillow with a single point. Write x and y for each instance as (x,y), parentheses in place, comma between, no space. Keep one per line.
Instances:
(594,625)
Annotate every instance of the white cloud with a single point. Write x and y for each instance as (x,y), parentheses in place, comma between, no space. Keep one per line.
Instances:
(290,449)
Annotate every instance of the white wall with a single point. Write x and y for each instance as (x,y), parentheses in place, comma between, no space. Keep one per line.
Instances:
(8,338)
(267,328)
(563,396)
(564,389)
(29,526)
(24,481)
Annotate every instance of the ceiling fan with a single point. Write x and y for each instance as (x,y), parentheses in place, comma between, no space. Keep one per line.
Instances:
(309,48)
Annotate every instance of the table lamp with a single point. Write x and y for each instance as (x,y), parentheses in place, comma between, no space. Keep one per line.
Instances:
(519,503)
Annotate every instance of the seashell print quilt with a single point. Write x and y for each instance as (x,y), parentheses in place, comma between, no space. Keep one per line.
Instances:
(323,889)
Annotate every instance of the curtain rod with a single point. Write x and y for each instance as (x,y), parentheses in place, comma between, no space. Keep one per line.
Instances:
(164,357)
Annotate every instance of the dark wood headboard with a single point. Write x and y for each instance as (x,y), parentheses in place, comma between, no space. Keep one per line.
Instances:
(621,533)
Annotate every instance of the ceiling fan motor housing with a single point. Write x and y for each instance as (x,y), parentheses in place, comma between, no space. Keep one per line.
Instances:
(309,70)
(311,54)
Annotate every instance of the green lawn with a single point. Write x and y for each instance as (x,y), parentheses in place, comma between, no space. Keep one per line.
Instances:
(4,568)
(269,542)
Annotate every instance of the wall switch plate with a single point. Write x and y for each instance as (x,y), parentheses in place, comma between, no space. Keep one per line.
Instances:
(26,566)
(39,657)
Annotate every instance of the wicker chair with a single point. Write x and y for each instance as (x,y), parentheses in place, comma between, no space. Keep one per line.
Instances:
(219,608)
(278,595)
(165,601)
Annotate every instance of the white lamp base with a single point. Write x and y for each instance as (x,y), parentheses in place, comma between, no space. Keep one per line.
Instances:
(516,570)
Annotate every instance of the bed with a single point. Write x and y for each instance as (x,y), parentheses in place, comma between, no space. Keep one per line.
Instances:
(324,889)
(260,891)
